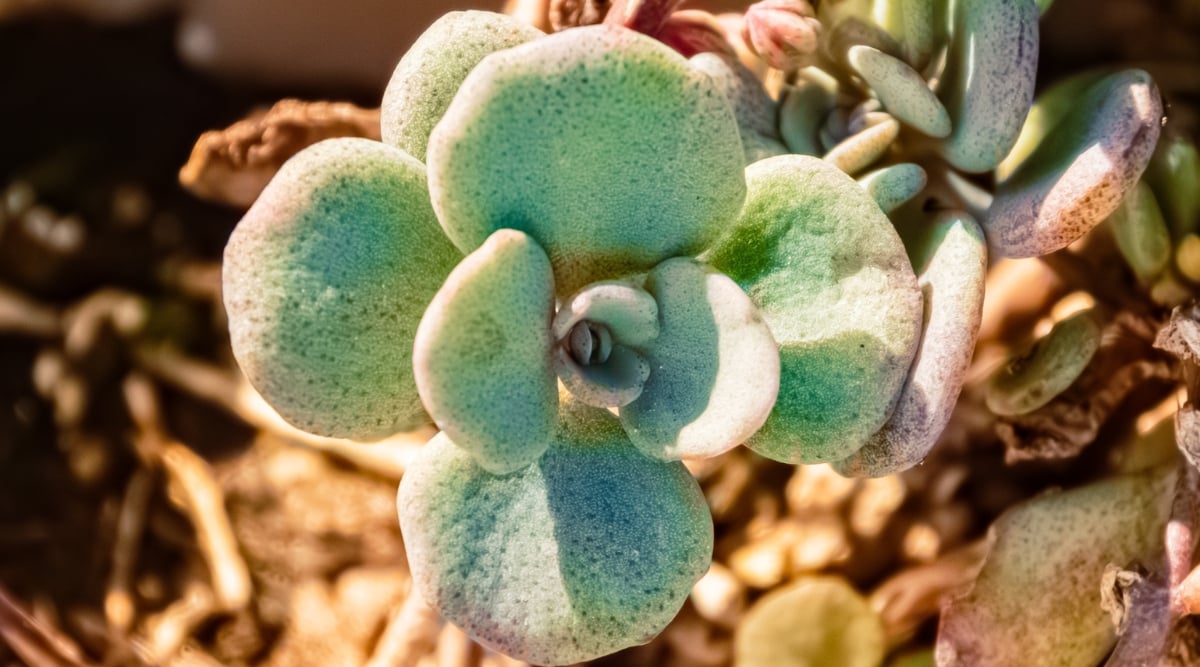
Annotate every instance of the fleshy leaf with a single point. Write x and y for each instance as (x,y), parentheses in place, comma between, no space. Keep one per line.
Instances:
(601,143)
(831,278)
(803,111)
(754,109)
(617,381)
(1141,233)
(861,149)
(811,621)
(429,75)
(591,550)
(1080,173)
(325,280)
(714,367)
(920,34)
(482,354)
(1174,174)
(901,90)
(989,79)
(953,264)
(1037,599)
(1047,368)
(1047,111)
(629,312)
(894,185)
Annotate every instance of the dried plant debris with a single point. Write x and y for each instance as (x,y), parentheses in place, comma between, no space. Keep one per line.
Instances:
(232,166)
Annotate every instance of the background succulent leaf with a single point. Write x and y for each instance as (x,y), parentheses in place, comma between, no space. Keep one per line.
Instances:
(1037,599)
(803,111)
(861,149)
(432,70)
(811,621)
(920,31)
(894,185)
(1080,173)
(1048,110)
(559,137)
(714,368)
(325,280)
(1174,174)
(902,91)
(1141,233)
(989,78)
(951,256)
(831,278)
(482,354)
(591,550)
(754,109)
(1047,368)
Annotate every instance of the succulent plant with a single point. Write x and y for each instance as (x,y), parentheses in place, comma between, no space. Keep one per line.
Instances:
(586,257)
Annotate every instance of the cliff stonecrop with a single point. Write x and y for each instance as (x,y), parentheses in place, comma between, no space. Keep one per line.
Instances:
(585,257)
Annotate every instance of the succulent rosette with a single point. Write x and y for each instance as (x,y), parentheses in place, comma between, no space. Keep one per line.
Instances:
(560,254)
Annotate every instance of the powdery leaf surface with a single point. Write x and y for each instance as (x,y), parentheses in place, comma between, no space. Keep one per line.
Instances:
(831,278)
(757,114)
(1037,599)
(482,354)
(952,261)
(714,368)
(325,280)
(901,90)
(989,80)
(894,185)
(1080,173)
(432,70)
(591,550)
(601,143)
(811,622)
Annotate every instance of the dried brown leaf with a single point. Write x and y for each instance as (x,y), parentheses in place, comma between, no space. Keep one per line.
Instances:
(574,13)
(232,166)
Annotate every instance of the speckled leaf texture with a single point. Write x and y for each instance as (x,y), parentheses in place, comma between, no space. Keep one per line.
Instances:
(831,278)
(894,185)
(901,90)
(1036,602)
(325,280)
(1080,173)
(952,261)
(1047,111)
(432,70)
(482,354)
(601,143)
(988,84)
(754,109)
(591,550)
(714,367)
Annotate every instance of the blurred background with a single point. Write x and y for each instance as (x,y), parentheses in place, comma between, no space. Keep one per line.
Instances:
(152,512)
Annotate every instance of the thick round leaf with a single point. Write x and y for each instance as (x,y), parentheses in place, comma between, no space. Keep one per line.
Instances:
(754,109)
(892,186)
(1080,173)
(1141,233)
(810,622)
(591,550)
(714,366)
(1174,174)
(861,149)
(1051,365)
(601,143)
(804,110)
(989,79)
(325,280)
(901,90)
(1037,599)
(1047,111)
(952,256)
(617,381)
(627,311)
(482,354)
(831,278)
(429,75)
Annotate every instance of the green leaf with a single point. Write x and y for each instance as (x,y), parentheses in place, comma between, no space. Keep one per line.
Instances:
(902,91)
(1037,599)
(1047,111)
(754,109)
(325,280)
(715,366)
(862,149)
(952,260)
(1141,233)
(989,79)
(1045,370)
(591,550)
(601,143)
(894,185)
(482,354)
(1077,177)
(811,621)
(1174,174)
(429,75)
(803,112)
(830,276)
